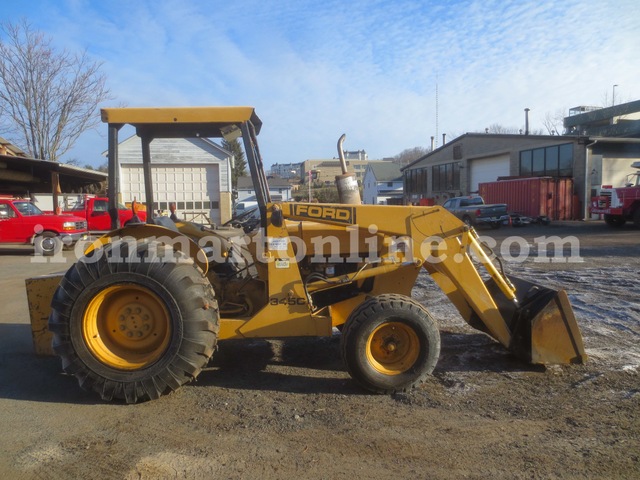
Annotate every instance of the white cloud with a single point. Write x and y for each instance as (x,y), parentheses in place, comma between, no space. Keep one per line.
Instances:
(315,70)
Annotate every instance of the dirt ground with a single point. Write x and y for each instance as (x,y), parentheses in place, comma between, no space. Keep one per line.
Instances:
(288,409)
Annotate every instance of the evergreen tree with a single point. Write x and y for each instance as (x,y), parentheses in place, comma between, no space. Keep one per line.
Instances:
(239,167)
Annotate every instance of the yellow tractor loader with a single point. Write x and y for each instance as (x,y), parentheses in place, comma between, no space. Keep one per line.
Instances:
(140,314)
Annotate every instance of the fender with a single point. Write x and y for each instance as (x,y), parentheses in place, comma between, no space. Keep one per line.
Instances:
(177,240)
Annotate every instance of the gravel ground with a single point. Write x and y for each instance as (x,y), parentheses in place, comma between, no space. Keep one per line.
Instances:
(285,409)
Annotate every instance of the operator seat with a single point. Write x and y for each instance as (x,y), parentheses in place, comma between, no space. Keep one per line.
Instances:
(165,222)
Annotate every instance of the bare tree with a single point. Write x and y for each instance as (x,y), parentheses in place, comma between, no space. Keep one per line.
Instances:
(554,122)
(47,98)
(497,128)
(408,155)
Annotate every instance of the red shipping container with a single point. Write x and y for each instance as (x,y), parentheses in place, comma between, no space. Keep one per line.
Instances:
(534,197)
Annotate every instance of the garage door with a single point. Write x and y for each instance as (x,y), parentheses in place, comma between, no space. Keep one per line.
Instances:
(487,170)
(195,189)
(614,170)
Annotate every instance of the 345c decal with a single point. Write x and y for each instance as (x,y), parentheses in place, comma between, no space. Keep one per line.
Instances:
(287,301)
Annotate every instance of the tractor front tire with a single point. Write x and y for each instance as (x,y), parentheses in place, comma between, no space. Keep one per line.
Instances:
(390,344)
(134,322)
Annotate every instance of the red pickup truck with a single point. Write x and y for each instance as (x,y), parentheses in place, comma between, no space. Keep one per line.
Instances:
(22,223)
(96,212)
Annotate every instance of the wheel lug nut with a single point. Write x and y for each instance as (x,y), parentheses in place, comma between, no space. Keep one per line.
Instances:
(139,333)
(129,334)
(122,327)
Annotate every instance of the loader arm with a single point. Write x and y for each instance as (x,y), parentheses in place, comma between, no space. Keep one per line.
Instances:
(450,251)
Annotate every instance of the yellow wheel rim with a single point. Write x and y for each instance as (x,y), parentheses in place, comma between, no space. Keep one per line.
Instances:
(393,348)
(126,326)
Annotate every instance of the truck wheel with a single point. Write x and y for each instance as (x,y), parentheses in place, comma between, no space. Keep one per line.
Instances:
(47,243)
(614,220)
(135,325)
(390,343)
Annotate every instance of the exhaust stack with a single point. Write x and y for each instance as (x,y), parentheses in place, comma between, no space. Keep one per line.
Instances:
(348,190)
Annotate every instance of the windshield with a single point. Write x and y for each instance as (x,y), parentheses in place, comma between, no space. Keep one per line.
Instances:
(27,208)
(98,206)
(467,202)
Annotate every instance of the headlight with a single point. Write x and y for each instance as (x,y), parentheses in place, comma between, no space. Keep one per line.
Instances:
(69,226)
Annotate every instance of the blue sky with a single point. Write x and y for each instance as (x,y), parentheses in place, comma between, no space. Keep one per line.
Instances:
(314,70)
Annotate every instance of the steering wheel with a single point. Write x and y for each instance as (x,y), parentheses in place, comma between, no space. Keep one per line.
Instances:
(247,220)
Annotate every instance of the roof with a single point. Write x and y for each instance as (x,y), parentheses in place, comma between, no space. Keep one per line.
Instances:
(491,137)
(602,114)
(247,183)
(182,121)
(386,171)
(23,175)
(169,150)
(8,148)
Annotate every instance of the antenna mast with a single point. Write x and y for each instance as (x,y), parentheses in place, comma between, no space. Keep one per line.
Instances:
(436,110)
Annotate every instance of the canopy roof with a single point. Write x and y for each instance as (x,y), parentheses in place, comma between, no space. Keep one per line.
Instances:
(182,122)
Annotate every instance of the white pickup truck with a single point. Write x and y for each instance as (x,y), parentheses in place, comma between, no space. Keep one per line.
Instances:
(474,212)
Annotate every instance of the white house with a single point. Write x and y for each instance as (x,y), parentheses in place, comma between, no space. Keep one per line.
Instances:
(279,188)
(382,183)
(193,173)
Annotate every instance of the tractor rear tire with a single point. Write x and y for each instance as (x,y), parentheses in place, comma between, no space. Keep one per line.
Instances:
(133,322)
(390,344)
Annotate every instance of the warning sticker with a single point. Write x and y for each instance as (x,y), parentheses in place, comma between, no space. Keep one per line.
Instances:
(279,243)
(282,263)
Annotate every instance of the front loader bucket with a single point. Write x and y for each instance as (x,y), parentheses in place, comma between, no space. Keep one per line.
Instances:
(543,327)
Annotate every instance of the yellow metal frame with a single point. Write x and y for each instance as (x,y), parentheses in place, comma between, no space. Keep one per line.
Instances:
(451,266)
(174,117)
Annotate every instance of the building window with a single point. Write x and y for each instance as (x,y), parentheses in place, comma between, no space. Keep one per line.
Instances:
(415,181)
(554,161)
(445,177)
